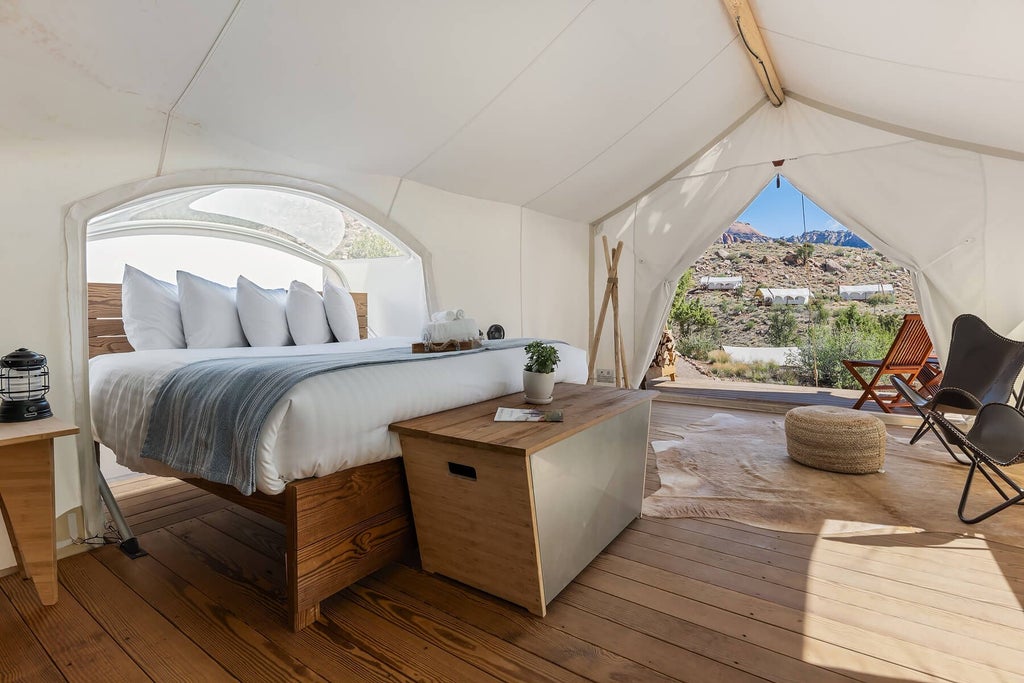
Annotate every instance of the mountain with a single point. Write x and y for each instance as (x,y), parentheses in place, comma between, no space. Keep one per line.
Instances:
(743,232)
(839,238)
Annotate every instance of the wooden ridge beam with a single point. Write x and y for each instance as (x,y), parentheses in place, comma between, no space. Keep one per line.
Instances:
(753,43)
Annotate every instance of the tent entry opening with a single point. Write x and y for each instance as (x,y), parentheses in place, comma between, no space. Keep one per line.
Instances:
(781,297)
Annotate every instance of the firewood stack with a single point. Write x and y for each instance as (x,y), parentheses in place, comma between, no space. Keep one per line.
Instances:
(664,363)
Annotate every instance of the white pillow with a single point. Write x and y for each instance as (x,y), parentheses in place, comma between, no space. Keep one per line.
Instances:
(208,313)
(341,312)
(149,308)
(262,314)
(307,318)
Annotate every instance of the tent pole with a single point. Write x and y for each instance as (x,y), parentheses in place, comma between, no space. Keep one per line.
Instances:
(757,51)
(611,261)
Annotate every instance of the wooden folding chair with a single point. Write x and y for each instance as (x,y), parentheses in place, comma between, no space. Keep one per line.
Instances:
(907,355)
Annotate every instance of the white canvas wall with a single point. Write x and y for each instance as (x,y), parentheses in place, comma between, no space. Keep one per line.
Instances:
(475,245)
(554,295)
(41,176)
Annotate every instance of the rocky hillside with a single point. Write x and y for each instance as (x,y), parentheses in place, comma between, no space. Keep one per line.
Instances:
(742,321)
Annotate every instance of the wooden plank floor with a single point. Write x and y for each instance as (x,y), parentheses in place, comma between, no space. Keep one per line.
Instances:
(687,599)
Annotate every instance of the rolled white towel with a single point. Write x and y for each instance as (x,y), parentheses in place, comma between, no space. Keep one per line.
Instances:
(447,316)
(443,330)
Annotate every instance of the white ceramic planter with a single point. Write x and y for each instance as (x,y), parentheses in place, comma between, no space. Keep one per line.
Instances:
(538,386)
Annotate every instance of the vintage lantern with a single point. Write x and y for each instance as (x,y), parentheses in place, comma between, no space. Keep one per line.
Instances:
(24,381)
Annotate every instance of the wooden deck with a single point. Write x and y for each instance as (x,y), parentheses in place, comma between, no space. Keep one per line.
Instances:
(687,599)
(772,398)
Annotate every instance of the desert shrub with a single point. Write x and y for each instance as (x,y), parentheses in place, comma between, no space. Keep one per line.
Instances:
(729,369)
(689,315)
(817,310)
(698,344)
(781,328)
(890,322)
(880,299)
(719,356)
(804,252)
(745,254)
(372,245)
(749,325)
(850,334)
(692,316)
(850,317)
(685,283)
(758,371)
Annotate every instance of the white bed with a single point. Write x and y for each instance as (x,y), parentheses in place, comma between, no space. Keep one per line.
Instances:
(324,424)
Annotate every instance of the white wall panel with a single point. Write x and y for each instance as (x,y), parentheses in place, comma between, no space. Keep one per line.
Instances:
(40,178)
(397,305)
(475,246)
(555,271)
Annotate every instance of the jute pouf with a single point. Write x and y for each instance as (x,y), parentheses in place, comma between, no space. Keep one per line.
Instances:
(835,439)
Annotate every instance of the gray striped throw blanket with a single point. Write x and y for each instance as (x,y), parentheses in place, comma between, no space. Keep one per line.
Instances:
(207,416)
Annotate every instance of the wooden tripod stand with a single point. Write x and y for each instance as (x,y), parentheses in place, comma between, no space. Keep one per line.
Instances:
(611,293)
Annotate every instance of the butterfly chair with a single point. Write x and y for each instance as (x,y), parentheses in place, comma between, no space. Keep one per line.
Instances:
(907,355)
(995,441)
(981,368)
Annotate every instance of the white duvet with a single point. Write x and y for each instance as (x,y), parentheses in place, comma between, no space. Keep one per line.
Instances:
(324,424)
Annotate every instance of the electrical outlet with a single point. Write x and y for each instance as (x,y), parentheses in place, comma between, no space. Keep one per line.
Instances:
(605,375)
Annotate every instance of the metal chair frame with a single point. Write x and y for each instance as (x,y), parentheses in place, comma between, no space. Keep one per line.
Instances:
(989,464)
(979,342)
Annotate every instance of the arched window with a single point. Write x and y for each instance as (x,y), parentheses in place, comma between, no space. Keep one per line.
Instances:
(271,235)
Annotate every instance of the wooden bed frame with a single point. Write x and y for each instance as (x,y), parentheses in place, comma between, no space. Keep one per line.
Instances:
(339,528)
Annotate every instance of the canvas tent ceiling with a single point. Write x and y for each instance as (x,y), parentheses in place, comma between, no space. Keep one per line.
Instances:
(568,107)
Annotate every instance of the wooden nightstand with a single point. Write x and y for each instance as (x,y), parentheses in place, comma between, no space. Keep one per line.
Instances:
(26,498)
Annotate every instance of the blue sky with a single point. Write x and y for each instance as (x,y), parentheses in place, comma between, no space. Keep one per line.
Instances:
(776,212)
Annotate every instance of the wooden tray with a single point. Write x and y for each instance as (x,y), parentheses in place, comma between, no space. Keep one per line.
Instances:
(451,345)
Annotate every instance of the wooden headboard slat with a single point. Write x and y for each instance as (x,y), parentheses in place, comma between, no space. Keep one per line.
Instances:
(106,329)
(104,300)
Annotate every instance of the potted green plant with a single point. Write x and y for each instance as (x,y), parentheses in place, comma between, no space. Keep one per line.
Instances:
(539,372)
